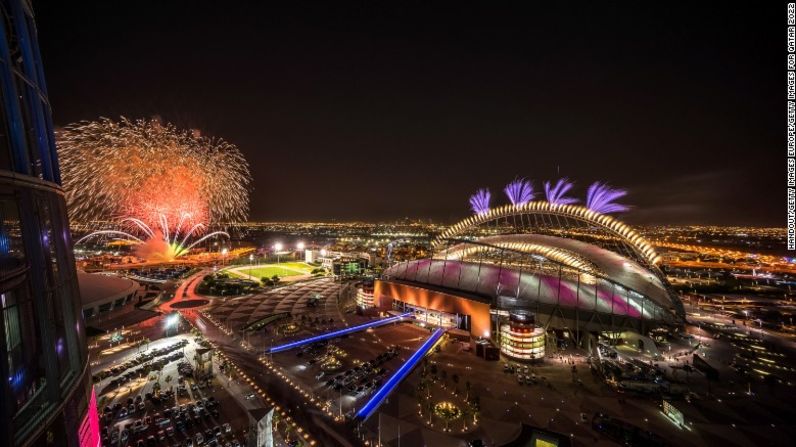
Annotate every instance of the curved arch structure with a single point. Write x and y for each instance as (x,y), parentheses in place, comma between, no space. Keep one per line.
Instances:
(642,249)
(555,254)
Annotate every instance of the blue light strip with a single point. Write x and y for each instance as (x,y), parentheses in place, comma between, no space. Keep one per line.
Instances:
(337,333)
(374,402)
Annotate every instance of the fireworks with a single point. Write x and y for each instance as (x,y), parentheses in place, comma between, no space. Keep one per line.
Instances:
(601,198)
(479,202)
(162,184)
(519,192)
(556,194)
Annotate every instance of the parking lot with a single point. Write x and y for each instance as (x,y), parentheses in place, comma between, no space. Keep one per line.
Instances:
(167,396)
(347,370)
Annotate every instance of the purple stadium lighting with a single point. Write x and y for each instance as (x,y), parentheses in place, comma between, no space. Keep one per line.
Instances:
(601,198)
(479,202)
(519,192)
(556,194)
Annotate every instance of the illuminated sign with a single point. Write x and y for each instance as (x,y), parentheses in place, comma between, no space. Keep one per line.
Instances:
(89,433)
(673,413)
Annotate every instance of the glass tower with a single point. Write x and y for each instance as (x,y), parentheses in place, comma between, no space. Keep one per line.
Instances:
(46,391)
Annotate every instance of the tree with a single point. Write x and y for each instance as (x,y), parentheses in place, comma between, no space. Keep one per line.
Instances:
(420,398)
(475,409)
(466,412)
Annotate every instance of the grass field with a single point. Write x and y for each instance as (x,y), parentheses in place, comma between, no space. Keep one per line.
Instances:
(269,270)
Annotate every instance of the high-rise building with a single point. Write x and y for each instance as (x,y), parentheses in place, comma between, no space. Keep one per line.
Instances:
(46,390)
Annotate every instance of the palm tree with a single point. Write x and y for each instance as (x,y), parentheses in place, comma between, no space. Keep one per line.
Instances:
(466,412)
(475,409)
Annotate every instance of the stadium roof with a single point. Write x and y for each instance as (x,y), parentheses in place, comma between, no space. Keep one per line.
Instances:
(617,285)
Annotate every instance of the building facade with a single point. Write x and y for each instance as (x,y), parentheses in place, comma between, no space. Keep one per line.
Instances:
(46,393)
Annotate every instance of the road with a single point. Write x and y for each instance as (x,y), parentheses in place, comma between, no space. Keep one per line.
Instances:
(325,431)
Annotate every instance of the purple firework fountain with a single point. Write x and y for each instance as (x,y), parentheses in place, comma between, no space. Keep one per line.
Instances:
(479,202)
(602,198)
(557,193)
(519,192)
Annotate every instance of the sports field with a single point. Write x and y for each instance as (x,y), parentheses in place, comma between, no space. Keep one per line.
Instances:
(268,270)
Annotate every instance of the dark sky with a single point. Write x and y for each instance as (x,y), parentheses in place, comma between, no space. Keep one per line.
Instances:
(365,112)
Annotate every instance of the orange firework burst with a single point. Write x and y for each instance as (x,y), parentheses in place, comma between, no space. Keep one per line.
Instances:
(164,186)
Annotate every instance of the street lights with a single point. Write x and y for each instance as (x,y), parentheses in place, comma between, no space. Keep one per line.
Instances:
(278,248)
(172,321)
(251,260)
(300,247)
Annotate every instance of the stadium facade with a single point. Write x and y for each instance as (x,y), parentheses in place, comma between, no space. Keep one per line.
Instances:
(517,268)
(46,395)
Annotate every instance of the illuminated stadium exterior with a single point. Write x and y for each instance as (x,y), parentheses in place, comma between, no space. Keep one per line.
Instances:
(575,270)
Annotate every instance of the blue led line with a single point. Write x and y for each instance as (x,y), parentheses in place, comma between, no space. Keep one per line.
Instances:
(399,375)
(337,333)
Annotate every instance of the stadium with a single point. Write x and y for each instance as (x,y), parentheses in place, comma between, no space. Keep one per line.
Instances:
(516,272)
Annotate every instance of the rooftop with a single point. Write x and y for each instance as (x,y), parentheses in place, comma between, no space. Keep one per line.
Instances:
(96,288)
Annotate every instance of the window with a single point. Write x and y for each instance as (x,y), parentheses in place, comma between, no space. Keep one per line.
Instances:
(58,294)
(12,251)
(6,159)
(26,375)
(28,108)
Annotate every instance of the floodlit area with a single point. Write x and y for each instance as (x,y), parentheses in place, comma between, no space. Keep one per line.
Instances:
(258,271)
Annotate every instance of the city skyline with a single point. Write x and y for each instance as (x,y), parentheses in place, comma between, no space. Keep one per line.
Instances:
(356,114)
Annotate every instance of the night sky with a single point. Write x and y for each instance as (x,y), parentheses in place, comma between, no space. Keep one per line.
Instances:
(370,113)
